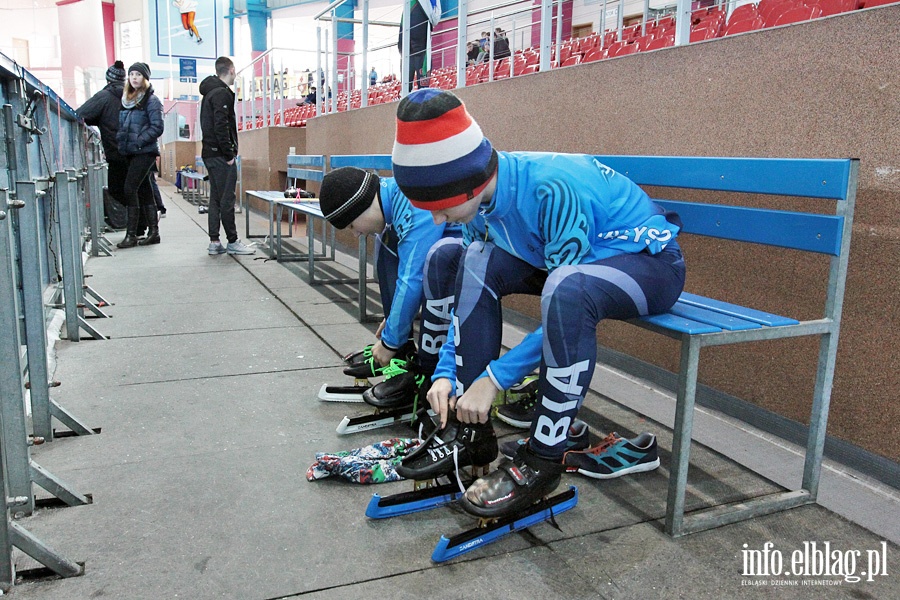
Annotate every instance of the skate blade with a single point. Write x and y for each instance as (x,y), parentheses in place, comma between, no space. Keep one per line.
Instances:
(477,537)
(412,502)
(341,393)
(375,421)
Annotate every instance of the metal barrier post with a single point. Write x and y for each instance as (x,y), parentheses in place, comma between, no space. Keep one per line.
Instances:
(94,192)
(43,408)
(12,390)
(70,254)
(21,471)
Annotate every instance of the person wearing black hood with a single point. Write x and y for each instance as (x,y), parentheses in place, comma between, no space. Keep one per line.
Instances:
(220,149)
(102,111)
(140,126)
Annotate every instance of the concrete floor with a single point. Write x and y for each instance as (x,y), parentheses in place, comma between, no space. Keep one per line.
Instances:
(206,396)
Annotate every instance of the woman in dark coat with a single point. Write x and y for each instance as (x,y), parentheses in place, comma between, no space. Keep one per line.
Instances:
(140,126)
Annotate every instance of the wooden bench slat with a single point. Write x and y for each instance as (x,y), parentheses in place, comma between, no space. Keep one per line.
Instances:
(734,310)
(711,317)
(811,178)
(378,162)
(307,174)
(306,160)
(680,324)
(785,229)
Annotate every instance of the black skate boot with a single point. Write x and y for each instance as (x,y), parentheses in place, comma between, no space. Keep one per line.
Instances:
(369,368)
(359,356)
(446,450)
(401,386)
(513,487)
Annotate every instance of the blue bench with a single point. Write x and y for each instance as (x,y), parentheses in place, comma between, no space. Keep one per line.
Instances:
(312,168)
(698,322)
(374,162)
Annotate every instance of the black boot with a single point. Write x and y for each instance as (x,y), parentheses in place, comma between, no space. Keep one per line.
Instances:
(457,444)
(130,240)
(514,486)
(401,386)
(152,225)
(369,368)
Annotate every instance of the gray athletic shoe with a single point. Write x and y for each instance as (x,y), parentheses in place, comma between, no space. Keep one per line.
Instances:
(216,248)
(237,247)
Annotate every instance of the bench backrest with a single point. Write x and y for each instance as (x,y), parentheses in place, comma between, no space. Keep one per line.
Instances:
(808,178)
(830,179)
(309,167)
(376,162)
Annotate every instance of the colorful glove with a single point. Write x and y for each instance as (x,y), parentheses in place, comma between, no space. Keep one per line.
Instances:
(370,464)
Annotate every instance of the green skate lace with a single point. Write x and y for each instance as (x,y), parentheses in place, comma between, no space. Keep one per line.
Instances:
(397,366)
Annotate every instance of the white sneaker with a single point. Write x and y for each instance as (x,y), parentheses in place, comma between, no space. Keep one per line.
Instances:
(216,248)
(237,247)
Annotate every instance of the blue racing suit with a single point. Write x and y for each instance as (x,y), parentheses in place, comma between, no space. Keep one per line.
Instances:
(589,241)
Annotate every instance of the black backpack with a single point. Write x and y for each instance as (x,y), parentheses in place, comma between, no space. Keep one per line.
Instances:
(114,211)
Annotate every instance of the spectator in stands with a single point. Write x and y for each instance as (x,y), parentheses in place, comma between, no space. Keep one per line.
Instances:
(310,98)
(373,77)
(220,150)
(422,13)
(366,204)
(586,239)
(473,52)
(102,111)
(140,126)
(501,44)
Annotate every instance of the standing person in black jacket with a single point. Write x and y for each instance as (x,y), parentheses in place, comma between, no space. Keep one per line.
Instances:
(102,110)
(220,149)
(140,126)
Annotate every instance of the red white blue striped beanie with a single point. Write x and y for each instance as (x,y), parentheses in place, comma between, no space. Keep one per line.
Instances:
(440,158)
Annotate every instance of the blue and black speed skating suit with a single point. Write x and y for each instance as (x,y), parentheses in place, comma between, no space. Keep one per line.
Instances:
(588,240)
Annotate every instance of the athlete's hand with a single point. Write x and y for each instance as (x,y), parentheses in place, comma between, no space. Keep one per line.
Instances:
(474,406)
(440,400)
(382,353)
(380,328)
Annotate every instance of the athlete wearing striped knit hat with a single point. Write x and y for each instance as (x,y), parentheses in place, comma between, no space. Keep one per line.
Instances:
(564,227)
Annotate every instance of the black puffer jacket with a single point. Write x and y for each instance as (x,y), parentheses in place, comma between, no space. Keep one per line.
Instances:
(102,110)
(217,119)
(140,126)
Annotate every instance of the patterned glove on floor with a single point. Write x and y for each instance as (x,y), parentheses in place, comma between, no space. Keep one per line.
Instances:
(370,464)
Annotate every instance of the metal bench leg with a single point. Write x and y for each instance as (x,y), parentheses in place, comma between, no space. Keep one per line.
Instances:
(681,442)
(363,278)
(818,419)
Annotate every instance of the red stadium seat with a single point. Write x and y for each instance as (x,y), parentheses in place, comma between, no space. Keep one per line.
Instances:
(529,69)
(594,54)
(743,12)
(572,60)
(704,33)
(836,7)
(871,3)
(660,42)
(744,25)
(765,7)
(501,68)
(797,14)
(621,49)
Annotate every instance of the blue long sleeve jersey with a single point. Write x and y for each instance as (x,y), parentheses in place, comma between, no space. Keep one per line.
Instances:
(416,233)
(550,210)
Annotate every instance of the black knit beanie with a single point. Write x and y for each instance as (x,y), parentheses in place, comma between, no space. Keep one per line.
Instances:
(345,194)
(116,72)
(142,68)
